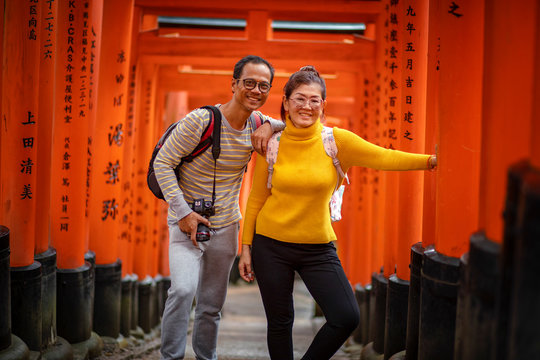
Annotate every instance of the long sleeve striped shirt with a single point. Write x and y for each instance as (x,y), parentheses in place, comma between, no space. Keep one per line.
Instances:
(197,177)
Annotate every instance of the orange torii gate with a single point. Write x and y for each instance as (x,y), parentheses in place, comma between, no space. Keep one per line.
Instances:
(477,95)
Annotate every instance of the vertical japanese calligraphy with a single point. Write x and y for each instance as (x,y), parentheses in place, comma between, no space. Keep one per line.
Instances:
(20,120)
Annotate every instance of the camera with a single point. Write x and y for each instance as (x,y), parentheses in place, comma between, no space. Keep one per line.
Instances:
(205,209)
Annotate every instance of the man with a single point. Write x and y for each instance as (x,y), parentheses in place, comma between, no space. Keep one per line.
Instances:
(201,269)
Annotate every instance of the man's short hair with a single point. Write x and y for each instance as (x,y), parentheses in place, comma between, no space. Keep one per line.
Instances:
(239,67)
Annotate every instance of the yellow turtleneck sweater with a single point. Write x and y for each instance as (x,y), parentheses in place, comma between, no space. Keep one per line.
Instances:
(296,209)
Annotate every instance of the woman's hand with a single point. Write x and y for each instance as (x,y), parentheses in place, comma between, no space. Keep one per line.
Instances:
(244,264)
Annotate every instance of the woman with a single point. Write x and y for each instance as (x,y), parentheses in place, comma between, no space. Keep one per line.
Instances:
(287,228)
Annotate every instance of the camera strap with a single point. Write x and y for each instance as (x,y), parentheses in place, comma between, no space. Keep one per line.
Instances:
(216,145)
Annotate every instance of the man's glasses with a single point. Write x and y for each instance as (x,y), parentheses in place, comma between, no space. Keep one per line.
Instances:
(250,84)
(300,102)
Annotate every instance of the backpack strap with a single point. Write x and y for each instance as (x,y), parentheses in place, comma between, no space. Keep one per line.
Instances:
(256,119)
(271,155)
(329,143)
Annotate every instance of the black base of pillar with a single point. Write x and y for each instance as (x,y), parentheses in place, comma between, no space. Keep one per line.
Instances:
(126,305)
(440,282)
(134,302)
(74,300)
(5,290)
(413,317)
(397,303)
(60,350)
(17,350)
(360,335)
(379,284)
(479,284)
(147,304)
(107,299)
(26,312)
(524,312)
(48,293)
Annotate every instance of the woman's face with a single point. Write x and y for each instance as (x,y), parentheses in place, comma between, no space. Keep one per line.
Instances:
(305,105)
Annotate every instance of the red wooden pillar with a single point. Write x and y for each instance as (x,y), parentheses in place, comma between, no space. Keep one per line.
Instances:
(412,19)
(432,115)
(395,69)
(414,31)
(19,162)
(459,137)
(69,140)
(95,21)
(507,104)
(145,142)
(109,132)
(45,127)
(108,162)
(19,133)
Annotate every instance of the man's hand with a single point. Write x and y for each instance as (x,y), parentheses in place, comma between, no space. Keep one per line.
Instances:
(259,138)
(244,264)
(188,224)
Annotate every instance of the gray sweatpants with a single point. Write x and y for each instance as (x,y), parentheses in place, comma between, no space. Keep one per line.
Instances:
(202,273)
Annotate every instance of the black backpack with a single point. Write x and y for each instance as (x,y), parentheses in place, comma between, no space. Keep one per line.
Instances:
(210,136)
(212,131)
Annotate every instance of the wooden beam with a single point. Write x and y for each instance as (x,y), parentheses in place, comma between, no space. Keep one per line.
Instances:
(338,83)
(149,44)
(298,10)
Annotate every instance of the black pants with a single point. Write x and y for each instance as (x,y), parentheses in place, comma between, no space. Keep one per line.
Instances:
(275,263)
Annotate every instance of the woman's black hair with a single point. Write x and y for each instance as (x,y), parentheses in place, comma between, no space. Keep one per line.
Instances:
(239,67)
(305,76)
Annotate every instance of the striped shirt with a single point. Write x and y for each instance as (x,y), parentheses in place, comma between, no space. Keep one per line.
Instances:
(196,178)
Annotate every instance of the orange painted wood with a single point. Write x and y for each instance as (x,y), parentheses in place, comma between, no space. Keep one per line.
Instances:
(509,66)
(460,120)
(20,119)
(414,36)
(298,10)
(259,25)
(432,115)
(69,150)
(145,141)
(109,137)
(379,138)
(2,8)
(95,18)
(535,121)
(153,45)
(393,131)
(45,126)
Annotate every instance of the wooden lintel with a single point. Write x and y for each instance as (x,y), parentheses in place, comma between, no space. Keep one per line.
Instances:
(298,10)
(339,84)
(272,49)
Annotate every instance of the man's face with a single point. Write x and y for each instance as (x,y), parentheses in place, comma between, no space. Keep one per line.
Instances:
(256,76)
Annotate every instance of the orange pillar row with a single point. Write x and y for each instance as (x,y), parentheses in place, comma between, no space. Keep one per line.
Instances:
(460,120)
(45,127)
(20,73)
(109,135)
(507,104)
(413,32)
(68,183)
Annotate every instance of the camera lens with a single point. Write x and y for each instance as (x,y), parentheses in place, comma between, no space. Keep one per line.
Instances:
(203,233)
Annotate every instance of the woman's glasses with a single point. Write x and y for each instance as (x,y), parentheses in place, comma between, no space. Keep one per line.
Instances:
(250,84)
(300,102)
